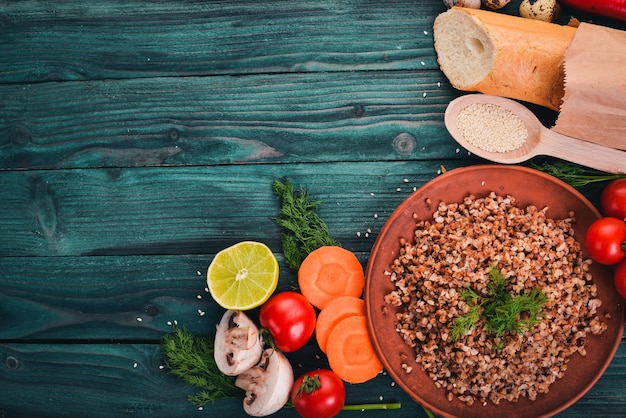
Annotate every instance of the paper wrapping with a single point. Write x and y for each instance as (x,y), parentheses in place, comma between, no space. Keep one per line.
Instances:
(594,104)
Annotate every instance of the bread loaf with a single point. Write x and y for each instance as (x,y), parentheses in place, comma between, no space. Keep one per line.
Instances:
(503,55)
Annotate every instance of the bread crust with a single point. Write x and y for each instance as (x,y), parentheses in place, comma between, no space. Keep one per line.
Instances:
(518,58)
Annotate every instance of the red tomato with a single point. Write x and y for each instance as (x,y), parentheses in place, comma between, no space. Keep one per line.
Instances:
(290,318)
(318,394)
(613,199)
(606,240)
(620,278)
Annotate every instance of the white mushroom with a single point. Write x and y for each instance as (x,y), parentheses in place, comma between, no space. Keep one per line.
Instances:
(237,344)
(267,384)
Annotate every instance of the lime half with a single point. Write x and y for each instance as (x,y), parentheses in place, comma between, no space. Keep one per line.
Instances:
(243,276)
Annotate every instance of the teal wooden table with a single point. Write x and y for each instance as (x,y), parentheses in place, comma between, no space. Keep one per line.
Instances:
(139,138)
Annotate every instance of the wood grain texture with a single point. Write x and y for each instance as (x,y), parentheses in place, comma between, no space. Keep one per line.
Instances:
(222,120)
(192,210)
(112,380)
(59,41)
(138,138)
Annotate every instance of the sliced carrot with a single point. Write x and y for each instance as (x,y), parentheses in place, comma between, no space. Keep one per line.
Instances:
(350,352)
(328,273)
(334,311)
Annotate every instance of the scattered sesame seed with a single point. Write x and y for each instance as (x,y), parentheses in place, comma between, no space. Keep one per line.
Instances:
(175,322)
(198,273)
(424,94)
(358,233)
(169,323)
(393,383)
(372,194)
(161,367)
(414,188)
(201,312)
(200,408)
(438,83)
(422,62)
(367,235)
(139,319)
(380,398)
(206,289)
(425,32)
(135,365)
(457,150)
(398,189)
(482,183)
(406,180)
(375,216)
(317,357)
(369,231)
(199,296)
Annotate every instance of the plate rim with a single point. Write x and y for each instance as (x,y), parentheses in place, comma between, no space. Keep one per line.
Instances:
(369,304)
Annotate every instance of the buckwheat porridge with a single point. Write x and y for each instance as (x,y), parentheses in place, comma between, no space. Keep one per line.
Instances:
(451,255)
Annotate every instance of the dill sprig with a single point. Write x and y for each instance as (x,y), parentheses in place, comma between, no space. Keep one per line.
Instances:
(502,311)
(191,358)
(576,175)
(304,230)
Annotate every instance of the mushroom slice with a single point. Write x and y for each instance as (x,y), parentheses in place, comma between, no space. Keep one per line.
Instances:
(237,344)
(267,384)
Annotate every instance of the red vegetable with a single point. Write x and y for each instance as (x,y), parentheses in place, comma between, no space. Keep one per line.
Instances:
(290,318)
(620,278)
(318,394)
(606,240)
(615,9)
(613,199)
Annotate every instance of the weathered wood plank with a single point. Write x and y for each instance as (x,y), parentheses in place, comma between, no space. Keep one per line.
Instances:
(191,210)
(101,380)
(216,120)
(58,40)
(108,298)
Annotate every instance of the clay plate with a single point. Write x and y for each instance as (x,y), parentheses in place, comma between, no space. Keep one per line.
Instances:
(528,186)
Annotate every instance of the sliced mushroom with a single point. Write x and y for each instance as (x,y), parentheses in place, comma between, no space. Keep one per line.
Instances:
(267,384)
(237,343)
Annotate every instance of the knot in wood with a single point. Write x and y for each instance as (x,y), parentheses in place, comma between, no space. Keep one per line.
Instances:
(404,143)
(19,135)
(12,362)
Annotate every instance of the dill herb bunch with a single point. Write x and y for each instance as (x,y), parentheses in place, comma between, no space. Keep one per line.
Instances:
(304,230)
(576,175)
(502,312)
(191,358)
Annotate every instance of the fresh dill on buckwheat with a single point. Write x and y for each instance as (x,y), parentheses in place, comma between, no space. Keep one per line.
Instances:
(502,311)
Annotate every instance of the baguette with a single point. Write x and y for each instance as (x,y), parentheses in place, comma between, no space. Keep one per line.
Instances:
(503,55)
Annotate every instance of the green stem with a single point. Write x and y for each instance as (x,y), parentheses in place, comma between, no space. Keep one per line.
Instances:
(428,412)
(371,406)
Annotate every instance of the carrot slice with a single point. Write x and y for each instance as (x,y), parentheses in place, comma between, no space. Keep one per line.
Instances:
(350,352)
(329,272)
(334,311)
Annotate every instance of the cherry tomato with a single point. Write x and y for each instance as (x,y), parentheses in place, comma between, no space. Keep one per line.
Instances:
(620,278)
(318,394)
(290,318)
(613,199)
(606,240)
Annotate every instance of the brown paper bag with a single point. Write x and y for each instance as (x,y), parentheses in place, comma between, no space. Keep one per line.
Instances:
(594,105)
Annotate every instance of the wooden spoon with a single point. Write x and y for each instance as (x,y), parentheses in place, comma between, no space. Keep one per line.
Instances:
(540,140)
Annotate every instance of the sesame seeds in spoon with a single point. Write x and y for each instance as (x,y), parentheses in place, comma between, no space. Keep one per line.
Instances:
(505,131)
